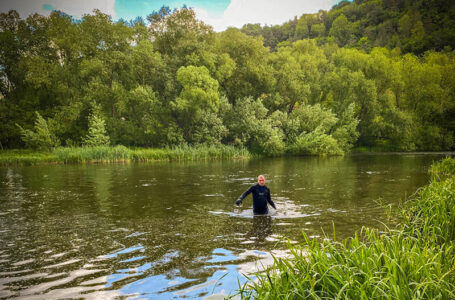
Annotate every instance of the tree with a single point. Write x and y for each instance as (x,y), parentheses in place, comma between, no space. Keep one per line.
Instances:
(252,75)
(341,30)
(97,135)
(308,131)
(199,93)
(41,138)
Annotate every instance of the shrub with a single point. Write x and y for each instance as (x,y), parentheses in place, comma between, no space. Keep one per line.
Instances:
(41,138)
(316,143)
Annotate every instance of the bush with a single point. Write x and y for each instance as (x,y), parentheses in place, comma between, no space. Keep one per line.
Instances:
(209,130)
(42,138)
(308,131)
(315,143)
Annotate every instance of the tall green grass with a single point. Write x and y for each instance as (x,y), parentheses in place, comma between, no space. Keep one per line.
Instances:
(189,153)
(431,215)
(415,262)
(107,154)
(25,157)
(368,266)
(442,169)
(92,154)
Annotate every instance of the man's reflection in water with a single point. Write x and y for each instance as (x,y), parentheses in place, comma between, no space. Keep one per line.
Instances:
(262,227)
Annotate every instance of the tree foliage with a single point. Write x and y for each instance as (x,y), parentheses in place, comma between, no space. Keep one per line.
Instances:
(318,84)
(97,135)
(41,138)
(412,26)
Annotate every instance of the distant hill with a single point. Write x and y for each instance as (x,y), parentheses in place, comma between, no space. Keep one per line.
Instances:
(414,26)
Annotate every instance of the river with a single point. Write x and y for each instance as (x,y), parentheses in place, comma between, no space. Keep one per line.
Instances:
(171,230)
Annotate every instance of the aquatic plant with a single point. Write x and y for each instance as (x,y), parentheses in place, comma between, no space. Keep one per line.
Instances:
(25,157)
(92,154)
(444,168)
(431,214)
(108,154)
(369,266)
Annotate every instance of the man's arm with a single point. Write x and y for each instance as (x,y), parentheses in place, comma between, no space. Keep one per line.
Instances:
(240,199)
(269,200)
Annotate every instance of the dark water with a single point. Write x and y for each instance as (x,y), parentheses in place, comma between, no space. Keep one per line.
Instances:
(171,230)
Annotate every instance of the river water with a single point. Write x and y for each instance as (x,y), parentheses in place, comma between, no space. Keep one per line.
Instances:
(171,230)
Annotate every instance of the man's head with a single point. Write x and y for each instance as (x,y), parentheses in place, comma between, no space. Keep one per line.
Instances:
(261,180)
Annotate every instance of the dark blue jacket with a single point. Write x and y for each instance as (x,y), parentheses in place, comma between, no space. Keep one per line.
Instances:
(261,195)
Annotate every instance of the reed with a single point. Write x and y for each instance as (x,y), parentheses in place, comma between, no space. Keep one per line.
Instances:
(442,169)
(189,153)
(25,157)
(414,262)
(92,154)
(368,266)
(108,154)
(431,214)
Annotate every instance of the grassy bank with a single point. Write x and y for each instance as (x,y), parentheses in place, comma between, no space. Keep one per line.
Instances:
(414,262)
(104,154)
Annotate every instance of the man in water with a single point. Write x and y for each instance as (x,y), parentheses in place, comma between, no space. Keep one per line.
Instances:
(261,195)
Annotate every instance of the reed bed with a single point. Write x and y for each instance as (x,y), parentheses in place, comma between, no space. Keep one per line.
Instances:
(92,154)
(442,169)
(190,153)
(368,266)
(417,261)
(431,215)
(25,157)
(108,154)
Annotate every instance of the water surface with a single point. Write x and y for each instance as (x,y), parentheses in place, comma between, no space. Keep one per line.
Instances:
(171,230)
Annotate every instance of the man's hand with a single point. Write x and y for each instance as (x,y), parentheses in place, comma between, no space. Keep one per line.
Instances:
(238,202)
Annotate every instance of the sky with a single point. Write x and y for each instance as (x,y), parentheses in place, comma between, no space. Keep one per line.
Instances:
(218,13)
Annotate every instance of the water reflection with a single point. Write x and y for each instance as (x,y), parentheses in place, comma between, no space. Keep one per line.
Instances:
(171,230)
(262,228)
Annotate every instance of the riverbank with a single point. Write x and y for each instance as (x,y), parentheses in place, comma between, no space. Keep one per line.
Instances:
(121,154)
(106,154)
(415,261)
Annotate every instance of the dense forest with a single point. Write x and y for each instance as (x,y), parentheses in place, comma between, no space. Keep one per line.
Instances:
(413,26)
(366,73)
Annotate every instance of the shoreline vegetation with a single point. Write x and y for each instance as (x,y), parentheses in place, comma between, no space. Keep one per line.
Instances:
(122,154)
(118,154)
(414,261)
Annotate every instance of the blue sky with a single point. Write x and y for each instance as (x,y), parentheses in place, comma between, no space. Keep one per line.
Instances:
(218,13)
(129,9)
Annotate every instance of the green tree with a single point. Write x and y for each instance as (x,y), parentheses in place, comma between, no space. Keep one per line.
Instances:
(252,75)
(250,126)
(341,30)
(41,138)
(345,130)
(97,135)
(199,93)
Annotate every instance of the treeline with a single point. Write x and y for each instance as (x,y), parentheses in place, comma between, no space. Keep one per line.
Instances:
(176,82)
(412,26)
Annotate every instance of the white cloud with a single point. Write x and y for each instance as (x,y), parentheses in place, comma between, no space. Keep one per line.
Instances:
(240,12)
(75,8)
